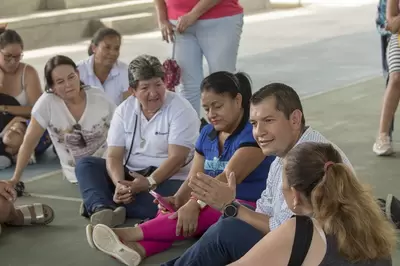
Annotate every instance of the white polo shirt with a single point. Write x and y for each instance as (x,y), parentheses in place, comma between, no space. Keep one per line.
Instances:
(175,123)
(116,83)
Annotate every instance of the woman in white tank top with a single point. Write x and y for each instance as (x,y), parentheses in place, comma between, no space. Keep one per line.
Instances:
(17,79)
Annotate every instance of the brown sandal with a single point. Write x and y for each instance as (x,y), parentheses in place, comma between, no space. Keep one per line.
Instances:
(42,214)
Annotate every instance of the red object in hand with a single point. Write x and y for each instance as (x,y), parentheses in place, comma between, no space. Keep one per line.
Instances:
(172,71)
(172,74)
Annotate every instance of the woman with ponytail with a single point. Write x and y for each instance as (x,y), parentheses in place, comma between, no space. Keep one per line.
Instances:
(337,220)
(102,69)
(225,145)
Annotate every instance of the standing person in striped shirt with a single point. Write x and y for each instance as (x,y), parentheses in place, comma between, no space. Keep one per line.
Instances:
(278,123)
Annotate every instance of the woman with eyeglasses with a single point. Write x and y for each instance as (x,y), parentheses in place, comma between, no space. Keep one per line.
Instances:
(17,79)
(76,116)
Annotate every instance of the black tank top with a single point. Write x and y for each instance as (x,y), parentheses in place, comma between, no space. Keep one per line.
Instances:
(302,242)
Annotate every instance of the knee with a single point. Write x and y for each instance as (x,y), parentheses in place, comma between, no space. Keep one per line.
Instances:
(88,162)
(6,208)
(226,227)
(394,79)
(87,165)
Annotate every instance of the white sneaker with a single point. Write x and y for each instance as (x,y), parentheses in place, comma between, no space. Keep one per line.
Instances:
(107,241)
(383,146)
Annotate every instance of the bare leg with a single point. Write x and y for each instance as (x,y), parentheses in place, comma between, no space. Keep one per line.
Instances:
(7,211)
(383,145)
(136,247)
(390,103)
(129,234)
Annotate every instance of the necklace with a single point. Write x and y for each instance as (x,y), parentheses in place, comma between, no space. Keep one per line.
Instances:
(142,140)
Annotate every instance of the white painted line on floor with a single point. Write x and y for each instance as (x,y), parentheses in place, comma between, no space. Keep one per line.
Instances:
(45,196)
(38,177)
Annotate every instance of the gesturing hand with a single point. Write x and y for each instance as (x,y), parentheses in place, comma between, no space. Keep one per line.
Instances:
(213,192)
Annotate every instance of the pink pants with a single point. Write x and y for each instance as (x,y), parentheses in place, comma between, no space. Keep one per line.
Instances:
(160,233)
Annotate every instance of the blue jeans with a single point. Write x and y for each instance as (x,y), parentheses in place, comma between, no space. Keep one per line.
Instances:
(223,243)
(97,190)
(215,39)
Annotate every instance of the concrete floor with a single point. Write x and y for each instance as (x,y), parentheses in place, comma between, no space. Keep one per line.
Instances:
(343,116)
(314,49)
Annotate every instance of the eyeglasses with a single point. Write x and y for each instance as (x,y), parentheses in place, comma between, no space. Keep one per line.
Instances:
(9,57)
(82,141)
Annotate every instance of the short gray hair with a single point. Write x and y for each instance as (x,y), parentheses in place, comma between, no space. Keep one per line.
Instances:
(144,67)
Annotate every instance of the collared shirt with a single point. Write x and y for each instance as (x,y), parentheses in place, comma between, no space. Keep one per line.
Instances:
(215,161)
(175,123)
(116,83)
(272,202)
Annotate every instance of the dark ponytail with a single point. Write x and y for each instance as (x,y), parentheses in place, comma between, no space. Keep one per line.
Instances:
(226,82)
(245,90)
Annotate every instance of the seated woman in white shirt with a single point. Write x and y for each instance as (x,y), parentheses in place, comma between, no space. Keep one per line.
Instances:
(77,118)
(152,131)
(102,69)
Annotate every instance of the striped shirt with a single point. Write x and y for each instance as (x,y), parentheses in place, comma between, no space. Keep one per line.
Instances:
(272,202)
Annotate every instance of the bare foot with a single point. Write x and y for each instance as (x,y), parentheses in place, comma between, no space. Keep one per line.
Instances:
(137,247)
(129,234)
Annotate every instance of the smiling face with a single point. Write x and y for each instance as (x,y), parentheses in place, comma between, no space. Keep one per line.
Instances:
(151,94)
(107,50)
(274,133)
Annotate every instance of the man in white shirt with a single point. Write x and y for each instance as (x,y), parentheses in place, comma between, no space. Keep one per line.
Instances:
(278,125)
(150,147)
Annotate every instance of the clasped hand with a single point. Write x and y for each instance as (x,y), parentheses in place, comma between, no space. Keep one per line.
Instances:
(125,190)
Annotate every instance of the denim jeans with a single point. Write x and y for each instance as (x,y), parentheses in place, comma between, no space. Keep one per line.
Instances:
(385,70)
(97,190)
(224,242)
(215,39)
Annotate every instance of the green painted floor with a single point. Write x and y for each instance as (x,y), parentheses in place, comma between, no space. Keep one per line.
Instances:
(348,116)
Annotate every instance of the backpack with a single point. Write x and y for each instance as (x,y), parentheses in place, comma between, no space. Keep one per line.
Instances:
(380,20)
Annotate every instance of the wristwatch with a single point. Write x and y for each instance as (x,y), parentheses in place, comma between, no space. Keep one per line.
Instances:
(152,182)
(231,210)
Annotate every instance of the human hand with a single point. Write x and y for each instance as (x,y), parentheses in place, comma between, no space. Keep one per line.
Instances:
(167,30)
(7,191)
(186,21)
(123,193)
(139,183)
(213,192)
(187,216)
(175,201)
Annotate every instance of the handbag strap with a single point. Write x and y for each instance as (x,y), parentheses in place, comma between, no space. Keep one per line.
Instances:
(302,240)
(173,45)
(133,138)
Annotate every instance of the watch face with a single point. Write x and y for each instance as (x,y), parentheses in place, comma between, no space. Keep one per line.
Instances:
(230,211)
